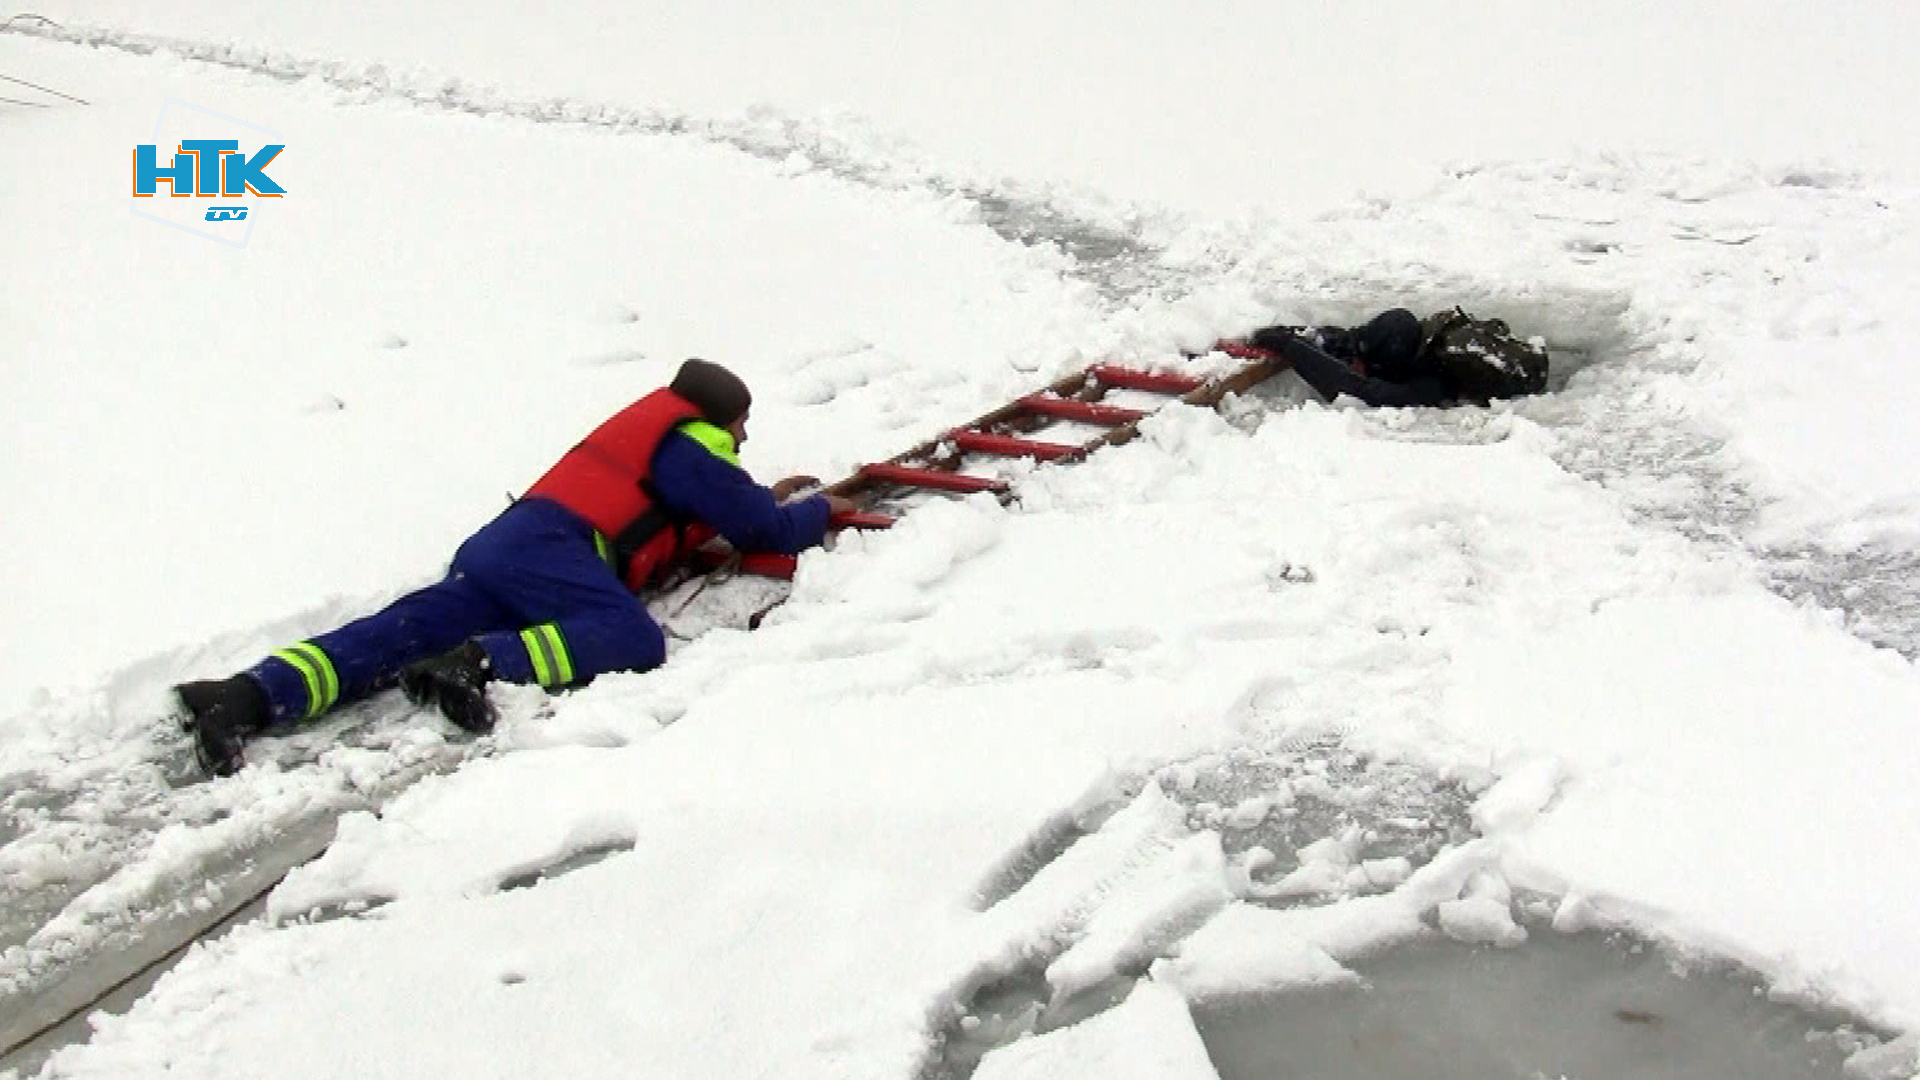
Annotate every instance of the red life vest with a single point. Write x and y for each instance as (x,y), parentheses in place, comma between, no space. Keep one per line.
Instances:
(603,480)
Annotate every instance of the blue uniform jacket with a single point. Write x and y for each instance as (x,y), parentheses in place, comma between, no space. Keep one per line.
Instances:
(691,481)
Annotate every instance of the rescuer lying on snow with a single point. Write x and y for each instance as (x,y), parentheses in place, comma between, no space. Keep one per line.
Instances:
(544,593)
(1395,359)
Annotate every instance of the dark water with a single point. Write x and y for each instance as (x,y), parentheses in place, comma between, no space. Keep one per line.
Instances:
(1578,1006)
(1574,1006)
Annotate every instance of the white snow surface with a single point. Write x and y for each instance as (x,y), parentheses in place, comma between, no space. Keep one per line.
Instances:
(1150,1036)
(1575,606)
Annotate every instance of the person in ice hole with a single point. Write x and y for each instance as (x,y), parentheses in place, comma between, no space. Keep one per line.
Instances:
(544,593)
(1395,359)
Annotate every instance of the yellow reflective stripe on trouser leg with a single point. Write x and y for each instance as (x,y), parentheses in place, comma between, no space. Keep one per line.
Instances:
(537,656)
(547,651)
(605,547)
(323,683)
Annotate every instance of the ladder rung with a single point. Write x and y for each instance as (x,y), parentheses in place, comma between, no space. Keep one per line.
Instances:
(861,519)
(1162,382)
(938,479)
(769,565)
(1240,350)
(1007,446)
(756,563)
(1088,412)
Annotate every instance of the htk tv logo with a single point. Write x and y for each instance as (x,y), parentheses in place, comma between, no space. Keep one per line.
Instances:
(208,168)
(197,166)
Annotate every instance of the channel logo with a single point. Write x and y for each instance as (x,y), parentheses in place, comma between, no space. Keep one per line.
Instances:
(198,154)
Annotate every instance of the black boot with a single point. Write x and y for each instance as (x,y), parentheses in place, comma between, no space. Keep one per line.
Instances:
(456,683)
(223,714)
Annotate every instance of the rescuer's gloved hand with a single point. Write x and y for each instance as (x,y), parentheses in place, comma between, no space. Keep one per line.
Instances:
(785,489)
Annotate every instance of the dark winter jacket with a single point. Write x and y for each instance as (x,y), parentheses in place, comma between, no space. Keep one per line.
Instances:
(1380,363)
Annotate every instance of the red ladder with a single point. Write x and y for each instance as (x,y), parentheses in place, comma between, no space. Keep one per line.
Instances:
(934,465)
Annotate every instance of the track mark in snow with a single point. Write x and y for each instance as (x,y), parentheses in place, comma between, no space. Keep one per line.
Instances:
(825,375)
(1877,588)
(1047,843)
(1245,630)
(612,358)
(579,859)
(852,644)
(1670,474)
(1054,838)
(347,909)
(139,865)
(1112,255)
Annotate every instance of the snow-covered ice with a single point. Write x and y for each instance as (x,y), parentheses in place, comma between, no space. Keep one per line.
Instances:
(1656,632)
(1149,1035)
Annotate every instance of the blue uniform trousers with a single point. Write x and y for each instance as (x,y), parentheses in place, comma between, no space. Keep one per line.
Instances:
(532,586)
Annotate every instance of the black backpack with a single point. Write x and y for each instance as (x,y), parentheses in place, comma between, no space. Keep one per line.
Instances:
(1481,357)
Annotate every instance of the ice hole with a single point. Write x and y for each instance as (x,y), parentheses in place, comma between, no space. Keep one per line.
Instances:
(1287,799)
(1580,1005)
(1562,1005)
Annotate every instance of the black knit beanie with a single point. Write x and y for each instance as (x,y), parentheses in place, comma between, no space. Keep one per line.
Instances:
(716,392)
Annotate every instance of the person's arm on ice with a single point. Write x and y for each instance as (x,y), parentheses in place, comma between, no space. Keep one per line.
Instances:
(1378,362)
(700,484)
(1330,378)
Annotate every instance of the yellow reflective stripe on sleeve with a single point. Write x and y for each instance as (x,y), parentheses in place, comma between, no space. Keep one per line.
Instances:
(316,670)
(718,440)
(604,546)
(536,644)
